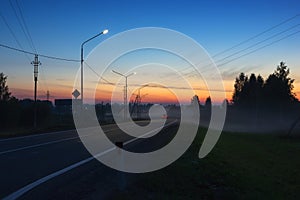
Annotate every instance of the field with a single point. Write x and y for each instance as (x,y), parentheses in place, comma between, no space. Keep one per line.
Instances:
(241,166)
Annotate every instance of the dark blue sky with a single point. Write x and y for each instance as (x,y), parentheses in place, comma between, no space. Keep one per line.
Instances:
(59,27)
(214,24)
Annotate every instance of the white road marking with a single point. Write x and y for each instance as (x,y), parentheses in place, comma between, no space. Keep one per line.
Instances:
(39,135)
(36,135)
(27,188)
(38,182)
(37,145)
(46,143)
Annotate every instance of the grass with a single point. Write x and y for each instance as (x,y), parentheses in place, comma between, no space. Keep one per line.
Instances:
(24,131)
(51,124)
(241,166)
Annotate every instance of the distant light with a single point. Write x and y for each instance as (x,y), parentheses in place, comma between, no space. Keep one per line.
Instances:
(105,31)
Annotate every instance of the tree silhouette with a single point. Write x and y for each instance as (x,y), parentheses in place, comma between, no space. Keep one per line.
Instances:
(4,91)
(247,91)
(195,100)
(278,87)
(225,103)
(254,91)
(208,103)
(238,87)
(9,106)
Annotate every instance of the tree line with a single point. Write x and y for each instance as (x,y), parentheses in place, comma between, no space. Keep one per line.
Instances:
(250,93)
(274,92)
(15,113)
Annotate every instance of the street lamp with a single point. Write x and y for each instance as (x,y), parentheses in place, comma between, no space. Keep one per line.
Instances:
(125,91)
(103,32)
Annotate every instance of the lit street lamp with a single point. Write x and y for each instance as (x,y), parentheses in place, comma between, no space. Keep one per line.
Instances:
(103,32)
(125,91)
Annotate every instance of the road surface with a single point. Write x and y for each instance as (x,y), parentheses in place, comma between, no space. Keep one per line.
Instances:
(57,165)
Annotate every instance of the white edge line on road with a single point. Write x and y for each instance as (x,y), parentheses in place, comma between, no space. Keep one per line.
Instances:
(37,145)
(27,188)
(34,184)
(35,135)
(45,143)
(41,134)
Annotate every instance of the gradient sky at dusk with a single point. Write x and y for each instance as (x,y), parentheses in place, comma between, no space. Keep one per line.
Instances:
(58,28)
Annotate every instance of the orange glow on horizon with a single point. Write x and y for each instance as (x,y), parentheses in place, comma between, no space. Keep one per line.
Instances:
(104,93)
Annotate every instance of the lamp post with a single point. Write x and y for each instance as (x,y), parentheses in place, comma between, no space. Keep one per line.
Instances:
(125,91)
(81,79)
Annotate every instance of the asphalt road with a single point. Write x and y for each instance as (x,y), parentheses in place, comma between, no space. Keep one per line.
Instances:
(57,165)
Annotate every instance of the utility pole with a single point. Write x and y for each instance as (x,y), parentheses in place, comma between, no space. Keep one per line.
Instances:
(48,95)
(35,64)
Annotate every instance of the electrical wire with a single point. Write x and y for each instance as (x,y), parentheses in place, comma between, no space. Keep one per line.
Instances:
(192,73)
(13,34)
(21,25)
(205,68)
(285,37)
(257,35)
(92,69)
(260,42)
(40,55)
(25,25)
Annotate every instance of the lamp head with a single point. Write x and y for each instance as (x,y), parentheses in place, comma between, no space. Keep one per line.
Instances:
(105,31)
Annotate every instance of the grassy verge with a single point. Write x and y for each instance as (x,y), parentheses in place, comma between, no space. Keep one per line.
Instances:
(23,131)
(53,123)
(241,166)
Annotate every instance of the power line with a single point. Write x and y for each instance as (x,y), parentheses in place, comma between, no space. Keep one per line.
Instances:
(21,24)
(243,42)
(253,45)
(13,34)
(41,55)
(58,58)
(260,42)
(257,35)
(105,80)
(285,37)
(253,51)
(25,25)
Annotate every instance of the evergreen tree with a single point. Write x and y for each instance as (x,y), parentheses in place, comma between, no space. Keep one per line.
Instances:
(4,91)
(278,87)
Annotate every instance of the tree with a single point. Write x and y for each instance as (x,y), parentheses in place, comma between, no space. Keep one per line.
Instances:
(248,92)
(9,106)
(260,81)
(225,103)
(278,87)
(4,91)
(254,92)
(208,103)
(238,87)
(195,100)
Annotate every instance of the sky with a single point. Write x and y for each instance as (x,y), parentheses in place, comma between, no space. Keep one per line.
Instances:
(57,28)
